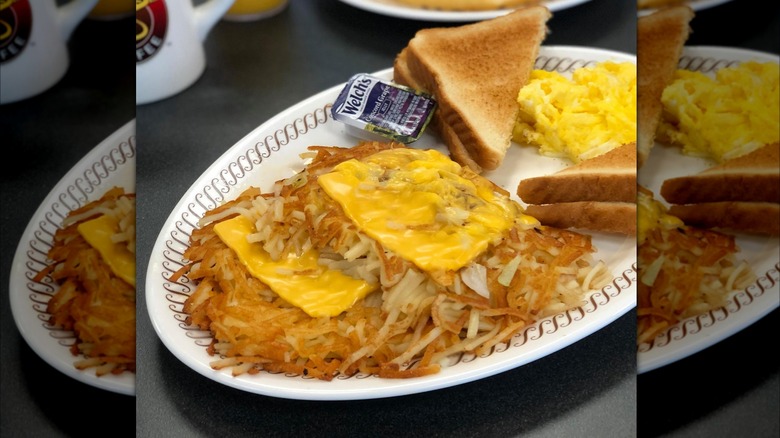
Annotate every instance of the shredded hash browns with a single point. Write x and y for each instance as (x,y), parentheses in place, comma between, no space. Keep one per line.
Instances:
(410,326)
(97,305)
(684,271)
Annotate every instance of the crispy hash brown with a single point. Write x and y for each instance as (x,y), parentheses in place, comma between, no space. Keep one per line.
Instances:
(684,271)
(92,301)
(410,325)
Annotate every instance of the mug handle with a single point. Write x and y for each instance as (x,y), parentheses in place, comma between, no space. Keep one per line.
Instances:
(207,14)
(71,14)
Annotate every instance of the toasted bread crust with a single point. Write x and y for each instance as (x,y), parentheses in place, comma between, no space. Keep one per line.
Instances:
(753,177)
(475,72)
(458,151)
(586,187)
(607,177)
(660,40)
(609,217)
(719,188)
(746,217)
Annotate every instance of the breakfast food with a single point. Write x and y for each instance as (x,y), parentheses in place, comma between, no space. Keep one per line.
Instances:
(741,194)
(597,194)
(753,177)
(604,216)
(588,120)
(580,117)
(93,262)
(683,270)
(467,5)
(723,116)
(607,177)
(735,216)
(474,72)
(321,276)
(660,40)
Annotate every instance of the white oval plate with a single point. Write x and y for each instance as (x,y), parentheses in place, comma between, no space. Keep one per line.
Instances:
(762,253)
(109,164)
(392,9)
(271,152)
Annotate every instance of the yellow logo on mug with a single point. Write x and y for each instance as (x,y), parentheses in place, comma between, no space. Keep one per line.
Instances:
(151,23)
(15,27)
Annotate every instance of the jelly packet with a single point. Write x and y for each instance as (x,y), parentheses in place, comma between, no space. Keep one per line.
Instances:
(370,104)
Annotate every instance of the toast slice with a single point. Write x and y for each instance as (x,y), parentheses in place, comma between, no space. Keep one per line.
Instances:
(741,194)
(753,177)
(610,217)
(475,72)
(607,177)
(402,75)
(596,194)
(737,216)
(660,40)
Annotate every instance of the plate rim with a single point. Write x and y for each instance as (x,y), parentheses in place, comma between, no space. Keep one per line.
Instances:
(729,50)
(312,390)
(413,13)
(20,302)
(673,350)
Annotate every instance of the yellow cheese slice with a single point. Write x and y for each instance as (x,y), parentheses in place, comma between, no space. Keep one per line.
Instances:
(300,281)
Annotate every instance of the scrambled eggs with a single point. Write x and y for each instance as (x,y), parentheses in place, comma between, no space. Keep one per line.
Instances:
(582,117)
(727,116)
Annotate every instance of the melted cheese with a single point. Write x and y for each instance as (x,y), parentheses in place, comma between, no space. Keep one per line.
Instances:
(423,206)
(652,214)
(300,281)
(97,232)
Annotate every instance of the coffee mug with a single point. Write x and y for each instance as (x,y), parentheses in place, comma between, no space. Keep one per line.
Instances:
(169,54)
(33,44)
(250,10)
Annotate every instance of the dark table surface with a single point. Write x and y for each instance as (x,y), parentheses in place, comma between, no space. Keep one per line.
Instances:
(256,70)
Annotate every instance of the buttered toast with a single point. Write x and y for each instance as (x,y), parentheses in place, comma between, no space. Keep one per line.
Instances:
(608,217)
(596,194)
(475,72)
(741,194)
(660,40)
(753,177)
(737,216)
(458,151)
(607,177)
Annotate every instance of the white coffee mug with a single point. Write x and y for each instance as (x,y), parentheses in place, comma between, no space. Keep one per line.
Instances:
(169,54)
(33,44)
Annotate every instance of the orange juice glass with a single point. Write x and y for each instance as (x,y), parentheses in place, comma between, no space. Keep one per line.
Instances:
(248,10)
(112,9)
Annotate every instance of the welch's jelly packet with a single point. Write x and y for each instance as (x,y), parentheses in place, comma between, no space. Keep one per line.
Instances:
(375,105)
